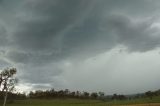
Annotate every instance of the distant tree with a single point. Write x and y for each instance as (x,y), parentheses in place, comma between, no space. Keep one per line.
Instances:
(7,82)
(122,97)
(31,94)
(101,96)
(149,94)
(66,92)
(77,94)
(61,93)
(86,94)
(156,93)
(94,95)
(72,94)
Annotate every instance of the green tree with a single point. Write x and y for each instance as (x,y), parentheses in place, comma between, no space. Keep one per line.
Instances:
(7,82)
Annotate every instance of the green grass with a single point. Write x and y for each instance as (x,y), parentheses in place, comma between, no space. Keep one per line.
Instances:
(77,102)
(57,102)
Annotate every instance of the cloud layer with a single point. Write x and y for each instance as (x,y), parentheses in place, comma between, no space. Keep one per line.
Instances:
(51,42)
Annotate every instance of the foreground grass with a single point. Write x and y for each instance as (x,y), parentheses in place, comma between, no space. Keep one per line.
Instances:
(55,102)
(77,102)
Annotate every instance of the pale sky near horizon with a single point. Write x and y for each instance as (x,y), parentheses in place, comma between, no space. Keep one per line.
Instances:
(88,45)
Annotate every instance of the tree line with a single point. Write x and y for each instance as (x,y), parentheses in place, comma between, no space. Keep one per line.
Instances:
(8,81)
(64,94)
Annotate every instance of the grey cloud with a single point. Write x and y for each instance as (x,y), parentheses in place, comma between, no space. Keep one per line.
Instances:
(41,34)
(47,29)
(4,64)
(42,30)
(18,57)
(33,58)
(40,74)
(42,86)
(137,36)
(3,36)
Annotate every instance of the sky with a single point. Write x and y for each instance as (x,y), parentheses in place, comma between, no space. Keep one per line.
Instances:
(88,45)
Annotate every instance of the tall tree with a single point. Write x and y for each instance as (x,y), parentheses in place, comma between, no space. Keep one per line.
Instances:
(7,82)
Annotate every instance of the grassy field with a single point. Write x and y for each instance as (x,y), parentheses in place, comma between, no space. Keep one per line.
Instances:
(75,102)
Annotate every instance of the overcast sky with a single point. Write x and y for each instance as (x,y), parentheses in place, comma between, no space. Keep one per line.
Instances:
(87,45)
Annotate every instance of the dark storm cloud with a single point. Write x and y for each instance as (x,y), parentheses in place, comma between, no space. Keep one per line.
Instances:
(44,74)
(3,35)
(34,58)
(137,36)
(72,27)
(44,30)
(38,36)
(4,64)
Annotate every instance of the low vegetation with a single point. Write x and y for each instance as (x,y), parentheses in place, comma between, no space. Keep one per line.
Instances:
(83,102)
